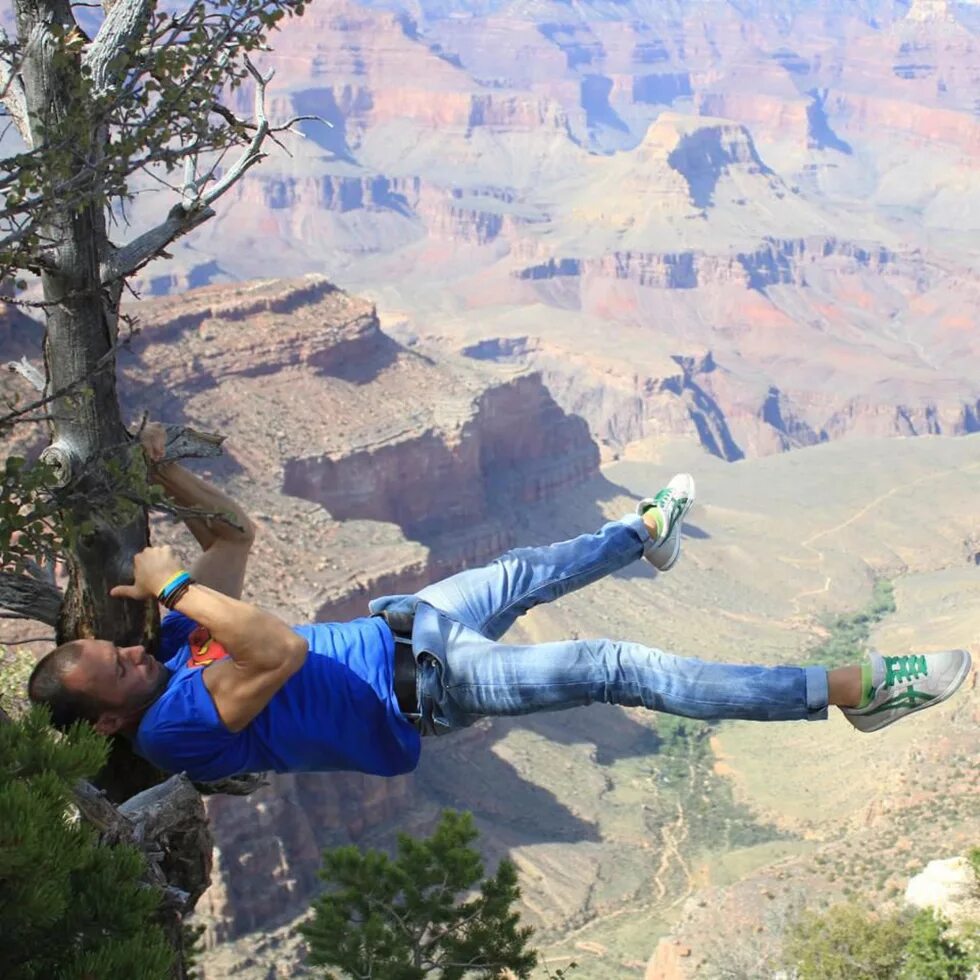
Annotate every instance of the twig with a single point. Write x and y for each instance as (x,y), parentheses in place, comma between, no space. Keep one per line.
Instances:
(183,513)
(25,369)
(99,365)
(36,419)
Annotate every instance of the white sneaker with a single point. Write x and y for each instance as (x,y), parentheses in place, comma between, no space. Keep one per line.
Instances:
(673,502)
(903,685)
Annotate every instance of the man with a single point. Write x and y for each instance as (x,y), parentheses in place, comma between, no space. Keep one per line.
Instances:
(234,689)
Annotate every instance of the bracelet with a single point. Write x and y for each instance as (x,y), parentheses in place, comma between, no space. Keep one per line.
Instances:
(174,589)
(174,597)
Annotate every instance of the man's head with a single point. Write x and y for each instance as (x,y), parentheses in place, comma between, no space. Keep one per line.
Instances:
(98,682)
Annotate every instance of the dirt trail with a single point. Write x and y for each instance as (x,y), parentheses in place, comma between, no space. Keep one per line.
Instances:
(673,837)
(818,555)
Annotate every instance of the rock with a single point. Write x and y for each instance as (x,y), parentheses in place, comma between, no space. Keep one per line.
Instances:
(950,887)
(671,961)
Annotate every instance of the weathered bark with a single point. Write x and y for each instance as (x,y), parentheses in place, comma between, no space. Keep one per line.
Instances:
(167,814)
(30,598)
(88,434)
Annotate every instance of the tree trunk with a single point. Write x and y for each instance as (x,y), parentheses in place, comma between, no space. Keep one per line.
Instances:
(88,439)
(90,448)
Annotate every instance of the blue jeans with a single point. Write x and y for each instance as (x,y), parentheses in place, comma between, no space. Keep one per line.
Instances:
(465,673)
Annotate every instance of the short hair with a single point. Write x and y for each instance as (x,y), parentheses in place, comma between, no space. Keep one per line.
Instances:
(47,686)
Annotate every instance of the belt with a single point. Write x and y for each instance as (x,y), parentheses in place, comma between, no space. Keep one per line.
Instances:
(406,677)
(405,684)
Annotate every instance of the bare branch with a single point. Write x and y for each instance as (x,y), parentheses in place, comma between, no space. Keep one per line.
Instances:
(186,216)
(35,419)
(189,190)
(252,154)
(243,785)
(171,815)
(31,304)
(30,598)
(100,813)
(183,442)
(25,369)
(12,93)
(229,117)
(105,360)
(188,513)
(128,259)
(125,21)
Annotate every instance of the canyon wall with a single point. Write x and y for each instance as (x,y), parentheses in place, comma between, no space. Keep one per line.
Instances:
(369,468)
(751,230)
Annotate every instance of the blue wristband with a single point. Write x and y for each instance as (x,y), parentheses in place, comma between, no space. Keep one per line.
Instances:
(172,586)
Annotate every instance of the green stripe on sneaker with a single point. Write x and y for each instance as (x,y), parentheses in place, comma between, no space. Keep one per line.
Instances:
(909,698)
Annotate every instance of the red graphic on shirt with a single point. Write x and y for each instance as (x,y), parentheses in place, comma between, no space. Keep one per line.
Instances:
(205,649)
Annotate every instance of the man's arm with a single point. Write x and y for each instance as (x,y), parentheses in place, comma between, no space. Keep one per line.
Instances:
(225,548)
(263,651)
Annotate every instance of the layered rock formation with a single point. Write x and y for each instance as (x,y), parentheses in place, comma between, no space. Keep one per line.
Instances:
(791,192)
(414,467)
(752,230)
(326,416)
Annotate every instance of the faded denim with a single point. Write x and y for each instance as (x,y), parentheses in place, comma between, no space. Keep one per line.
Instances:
(465,673)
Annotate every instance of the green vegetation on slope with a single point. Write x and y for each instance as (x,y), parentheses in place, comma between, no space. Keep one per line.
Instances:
(849,632)
(849,943)
(687,777)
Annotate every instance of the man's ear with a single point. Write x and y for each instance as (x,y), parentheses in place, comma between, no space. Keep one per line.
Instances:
(108,723)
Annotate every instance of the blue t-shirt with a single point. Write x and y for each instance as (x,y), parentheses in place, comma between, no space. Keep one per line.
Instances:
(337,712)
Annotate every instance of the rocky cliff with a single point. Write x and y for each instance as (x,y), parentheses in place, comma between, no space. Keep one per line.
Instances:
(753,229)
(789,191)
(370,468)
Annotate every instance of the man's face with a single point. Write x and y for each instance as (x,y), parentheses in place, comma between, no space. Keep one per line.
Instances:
(125,679)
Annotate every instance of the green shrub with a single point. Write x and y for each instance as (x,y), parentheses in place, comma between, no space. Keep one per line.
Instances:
(973,856)
(849,943)
(71,909)
(428,912)
(932,953)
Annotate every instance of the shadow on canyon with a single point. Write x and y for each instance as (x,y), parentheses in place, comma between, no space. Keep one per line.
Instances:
(462,770)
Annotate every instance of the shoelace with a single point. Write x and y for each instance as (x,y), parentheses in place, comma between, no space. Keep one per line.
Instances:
(671,502)
(907,668)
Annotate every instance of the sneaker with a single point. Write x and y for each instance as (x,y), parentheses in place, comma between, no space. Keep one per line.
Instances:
(902,685)
(673,502)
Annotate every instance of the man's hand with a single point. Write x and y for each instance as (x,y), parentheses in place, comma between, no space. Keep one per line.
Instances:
(225,545)
(152,569)
(153,439)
